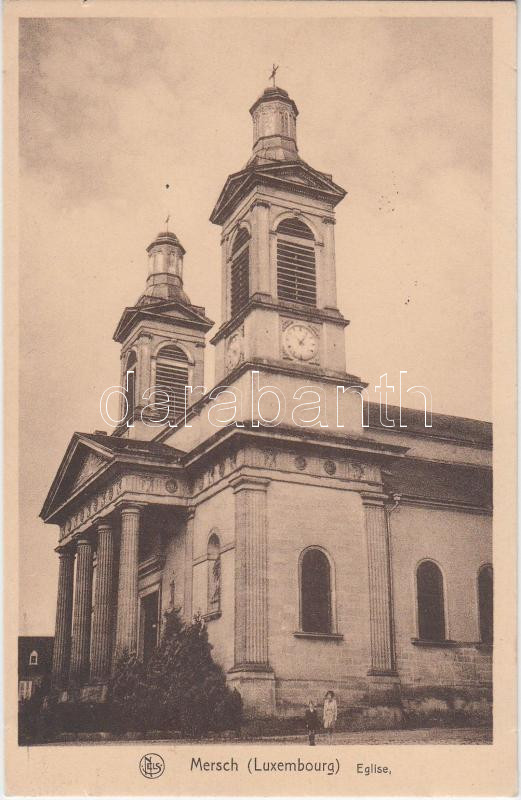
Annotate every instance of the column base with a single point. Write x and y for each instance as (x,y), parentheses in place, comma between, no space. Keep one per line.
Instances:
(383,702)
(383,673)
(256,685)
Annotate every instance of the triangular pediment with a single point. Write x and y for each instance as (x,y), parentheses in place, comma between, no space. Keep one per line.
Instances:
(171,311)
(87,460)
(82,462)
(90,464)
(284,174)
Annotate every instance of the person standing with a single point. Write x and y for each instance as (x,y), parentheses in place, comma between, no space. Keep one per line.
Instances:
(311,720)
(330,714)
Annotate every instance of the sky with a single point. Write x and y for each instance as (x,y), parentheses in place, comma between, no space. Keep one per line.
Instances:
(112,110)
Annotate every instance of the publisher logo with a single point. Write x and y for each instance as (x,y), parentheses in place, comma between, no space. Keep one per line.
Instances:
(151,766)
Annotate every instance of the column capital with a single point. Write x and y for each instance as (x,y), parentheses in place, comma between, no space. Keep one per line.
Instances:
(83,540)
(328,221)
(190,513)
(133,508)
(377,499)
(104,524)
(64,551)
(259,202)
(251,482)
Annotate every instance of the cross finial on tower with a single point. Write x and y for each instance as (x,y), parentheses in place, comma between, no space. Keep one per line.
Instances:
(274,73)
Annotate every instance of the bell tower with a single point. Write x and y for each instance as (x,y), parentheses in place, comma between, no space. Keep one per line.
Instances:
(279,303)
(162,341)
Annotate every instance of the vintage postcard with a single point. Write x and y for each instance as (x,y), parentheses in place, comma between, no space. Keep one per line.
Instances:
(260,298)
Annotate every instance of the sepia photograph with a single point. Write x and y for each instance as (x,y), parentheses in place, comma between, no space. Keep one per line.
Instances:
(256,412)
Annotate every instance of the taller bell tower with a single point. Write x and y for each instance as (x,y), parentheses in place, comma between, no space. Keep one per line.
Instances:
(279,304)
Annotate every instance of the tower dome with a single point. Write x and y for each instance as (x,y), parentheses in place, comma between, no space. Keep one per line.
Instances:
(165,270)
(274,116)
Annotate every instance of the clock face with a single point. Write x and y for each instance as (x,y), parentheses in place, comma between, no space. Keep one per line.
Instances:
(300,342)
(233,351)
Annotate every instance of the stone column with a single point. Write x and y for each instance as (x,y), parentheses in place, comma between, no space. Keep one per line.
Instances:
(82,612)
(251,574)
(126,623)
(260,250)
(380,598)
(189,557)
(62,632)
(328,264)
(101,626)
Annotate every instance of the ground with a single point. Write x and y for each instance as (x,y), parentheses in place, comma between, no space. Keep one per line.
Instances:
(418,736)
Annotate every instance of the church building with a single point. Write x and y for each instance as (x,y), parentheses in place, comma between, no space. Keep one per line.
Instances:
(326,548)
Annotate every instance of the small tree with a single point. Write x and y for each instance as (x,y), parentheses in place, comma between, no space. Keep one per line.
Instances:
(187,688)
(181,687)
(162,670)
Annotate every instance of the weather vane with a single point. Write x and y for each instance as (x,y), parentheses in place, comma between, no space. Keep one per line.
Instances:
(167,220)
(273,73)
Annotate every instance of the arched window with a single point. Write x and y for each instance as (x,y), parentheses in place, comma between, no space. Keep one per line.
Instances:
(172,379)
(130,385)
(431,608)
(296,273)
(315,592)
(240,271)
(486,604)
(33,659)
(214,574)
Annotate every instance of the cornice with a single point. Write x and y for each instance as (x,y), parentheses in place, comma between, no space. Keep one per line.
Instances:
(299,311)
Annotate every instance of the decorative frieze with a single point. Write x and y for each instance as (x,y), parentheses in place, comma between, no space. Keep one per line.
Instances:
(136,483)
(329,467)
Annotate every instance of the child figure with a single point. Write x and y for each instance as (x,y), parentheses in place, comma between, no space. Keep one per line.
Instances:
(311,720)
(330,714)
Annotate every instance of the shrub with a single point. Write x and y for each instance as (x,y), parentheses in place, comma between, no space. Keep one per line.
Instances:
(187,689)
(129,696)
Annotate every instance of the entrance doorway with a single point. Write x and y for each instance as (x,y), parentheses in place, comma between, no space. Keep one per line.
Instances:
(149,624)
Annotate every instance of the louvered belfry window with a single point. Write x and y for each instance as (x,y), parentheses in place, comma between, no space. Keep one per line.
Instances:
(172,378)
(240,271)
(296,273)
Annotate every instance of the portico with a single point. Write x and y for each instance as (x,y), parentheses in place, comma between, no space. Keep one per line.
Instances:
(114,523)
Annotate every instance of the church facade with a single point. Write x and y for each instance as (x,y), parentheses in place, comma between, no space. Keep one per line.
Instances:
(326,548)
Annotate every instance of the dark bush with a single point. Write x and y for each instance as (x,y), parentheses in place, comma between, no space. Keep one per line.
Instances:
(128,707)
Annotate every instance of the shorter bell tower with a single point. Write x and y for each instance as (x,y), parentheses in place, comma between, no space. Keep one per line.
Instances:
(162,341)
